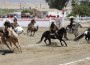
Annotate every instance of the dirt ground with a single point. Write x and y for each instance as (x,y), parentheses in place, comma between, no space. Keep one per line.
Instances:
(40,54)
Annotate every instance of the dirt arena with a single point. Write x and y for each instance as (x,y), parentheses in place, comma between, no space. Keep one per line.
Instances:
(76,53)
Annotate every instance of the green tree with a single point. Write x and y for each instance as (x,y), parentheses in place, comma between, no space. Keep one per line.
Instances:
(74,2)
(7,11)
(58,4)
(82,9)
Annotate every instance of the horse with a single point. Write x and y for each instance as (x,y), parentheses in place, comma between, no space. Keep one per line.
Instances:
(86,34)
(74,29)
(32,29)
(18,29)
(12,39)
(58,35)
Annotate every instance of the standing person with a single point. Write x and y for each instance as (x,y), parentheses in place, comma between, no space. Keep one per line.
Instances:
(58,22)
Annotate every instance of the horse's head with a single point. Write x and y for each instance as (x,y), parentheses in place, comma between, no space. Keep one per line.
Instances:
(33,21)
(62,30)
(12,33)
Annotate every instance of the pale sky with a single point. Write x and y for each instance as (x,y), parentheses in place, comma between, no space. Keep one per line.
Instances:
(25,1)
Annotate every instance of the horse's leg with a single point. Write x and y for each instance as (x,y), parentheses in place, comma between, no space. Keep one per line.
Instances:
(19,46)
(49,41)
(33,33)
(27,31)
(7,45)
(24,32)
(11,45)
(64,42)
(76,34)
(16,45)
(65,36)
(45,41)
(61,42)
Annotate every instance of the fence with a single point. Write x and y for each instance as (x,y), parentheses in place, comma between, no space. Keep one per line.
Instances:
(25,21)
(85,21)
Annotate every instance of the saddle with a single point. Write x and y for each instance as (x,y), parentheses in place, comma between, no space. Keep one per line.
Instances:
(53,35)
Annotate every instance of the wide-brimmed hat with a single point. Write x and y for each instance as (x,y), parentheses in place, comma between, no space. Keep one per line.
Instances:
(71,17)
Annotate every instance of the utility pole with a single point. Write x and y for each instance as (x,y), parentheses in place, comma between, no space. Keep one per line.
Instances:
(20,4)
(4,5)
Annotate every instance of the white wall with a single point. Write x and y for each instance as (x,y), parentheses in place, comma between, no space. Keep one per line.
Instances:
(55,13)
(40,23)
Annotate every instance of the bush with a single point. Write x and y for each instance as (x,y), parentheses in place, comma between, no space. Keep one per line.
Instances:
(27,11)
(72,14)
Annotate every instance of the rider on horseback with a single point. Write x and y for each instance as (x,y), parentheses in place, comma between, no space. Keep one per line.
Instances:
(15,21)
(31,24)
(53,28)
(6,32)
(72,23)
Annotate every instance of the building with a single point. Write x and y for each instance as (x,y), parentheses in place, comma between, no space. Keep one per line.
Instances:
(43,13)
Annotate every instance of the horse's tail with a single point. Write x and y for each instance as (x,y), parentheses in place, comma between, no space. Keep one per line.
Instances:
(79,37)
(43,35)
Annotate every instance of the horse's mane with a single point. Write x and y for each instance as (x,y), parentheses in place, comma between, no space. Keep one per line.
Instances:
(62,30)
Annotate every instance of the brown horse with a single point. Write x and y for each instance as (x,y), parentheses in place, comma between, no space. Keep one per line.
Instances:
(12,39)
(31,28)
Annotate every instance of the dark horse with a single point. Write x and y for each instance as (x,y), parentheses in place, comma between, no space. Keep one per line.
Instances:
(86,34)
(31,28)
(58,35)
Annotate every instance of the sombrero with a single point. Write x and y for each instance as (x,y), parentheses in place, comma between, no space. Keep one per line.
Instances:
(71,17)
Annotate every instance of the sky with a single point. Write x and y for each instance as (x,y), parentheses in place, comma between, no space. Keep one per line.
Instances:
(25,1)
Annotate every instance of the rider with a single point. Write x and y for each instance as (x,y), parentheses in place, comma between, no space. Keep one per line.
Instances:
(53,28)
(6,32)
(72,23)
(15,21)
(32,23)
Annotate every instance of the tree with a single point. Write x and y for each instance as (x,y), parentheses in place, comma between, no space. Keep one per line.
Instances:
(58,4)
(74,2)
(82,9)
(27,11)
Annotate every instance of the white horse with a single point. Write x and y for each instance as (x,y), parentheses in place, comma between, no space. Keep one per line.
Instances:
(19,30)
(75,29)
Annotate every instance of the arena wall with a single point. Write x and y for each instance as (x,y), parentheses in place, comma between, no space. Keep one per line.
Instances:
(42,22)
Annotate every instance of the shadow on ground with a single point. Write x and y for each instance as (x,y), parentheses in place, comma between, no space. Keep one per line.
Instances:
(4,52)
